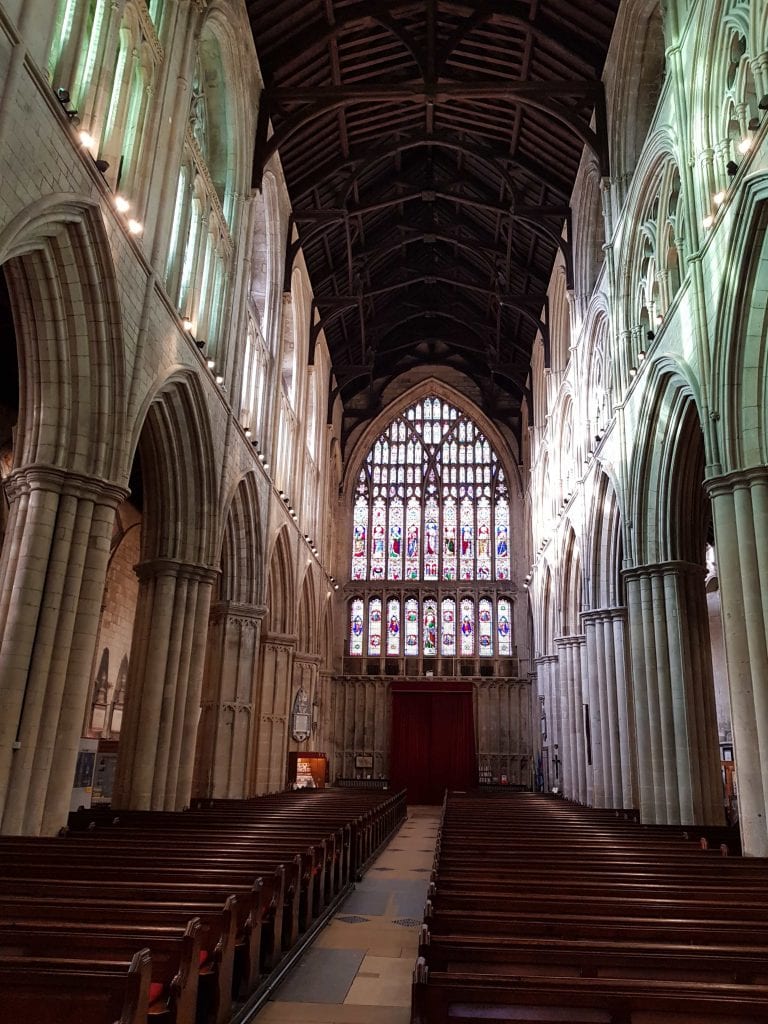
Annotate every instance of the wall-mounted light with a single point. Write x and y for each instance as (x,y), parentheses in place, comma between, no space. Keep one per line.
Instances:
(718,198)
(247,431)
(708,221)
(745,145)
(86,139)
(219,379)
(121,204)
(632,372)
(211,363)
(186,323)
(731,168)
(135,226)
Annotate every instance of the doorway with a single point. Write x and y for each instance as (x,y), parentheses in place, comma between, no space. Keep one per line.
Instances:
(433,739)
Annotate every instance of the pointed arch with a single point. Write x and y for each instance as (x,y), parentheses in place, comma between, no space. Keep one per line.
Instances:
(281,603)
(242,559)
(306,623)
(176,455)
(570,585)
(63,290)
(605,546)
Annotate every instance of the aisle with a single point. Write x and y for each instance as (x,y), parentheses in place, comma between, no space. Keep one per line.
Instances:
(359,969)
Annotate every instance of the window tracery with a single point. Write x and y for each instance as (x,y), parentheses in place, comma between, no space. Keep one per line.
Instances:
(431,507)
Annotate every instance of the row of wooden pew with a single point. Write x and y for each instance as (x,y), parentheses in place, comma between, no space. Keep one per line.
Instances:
(168,917)
(543,911)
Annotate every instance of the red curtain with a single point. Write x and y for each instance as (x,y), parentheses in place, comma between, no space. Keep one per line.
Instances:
(433,739)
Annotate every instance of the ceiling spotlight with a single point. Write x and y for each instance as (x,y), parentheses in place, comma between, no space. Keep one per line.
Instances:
(186,323)
(219,379)
(745,145)
(121,204)
(135,226)
(731,168)
(86,139)
(247,431)
(211,363)
(632,372)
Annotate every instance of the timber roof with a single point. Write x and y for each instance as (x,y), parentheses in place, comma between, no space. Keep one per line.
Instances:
(430,149)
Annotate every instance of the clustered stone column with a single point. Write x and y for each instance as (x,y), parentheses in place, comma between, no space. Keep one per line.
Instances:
(740,513)
(676,725)
(159,730)
(275,673)
(548,689)
(226,735)
(572,730)
(609,709)
(52,575)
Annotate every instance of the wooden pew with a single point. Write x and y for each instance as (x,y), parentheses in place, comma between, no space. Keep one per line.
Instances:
(33,993)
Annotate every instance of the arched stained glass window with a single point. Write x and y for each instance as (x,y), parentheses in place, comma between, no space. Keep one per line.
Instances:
(485,628)
(356,626)
(448,627)
(374,626)
(431,476)
(430,527)
(393,627)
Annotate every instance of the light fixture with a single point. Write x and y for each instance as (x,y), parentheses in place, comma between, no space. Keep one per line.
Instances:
(121,204)
(247,431)
(641,354)
(102,165)
(659,319)
(62,94)
(186,323)
(708,221)
(262,456)
(731,168)
(87,139)
(201,343)
(745,145)
(632,372)
(135,226)
(649,335)
(74,118)
(718,198)
(219,379)
(266,466)
(211,363)
(763,102)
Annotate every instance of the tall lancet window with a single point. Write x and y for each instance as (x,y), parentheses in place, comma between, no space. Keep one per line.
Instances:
(431,539)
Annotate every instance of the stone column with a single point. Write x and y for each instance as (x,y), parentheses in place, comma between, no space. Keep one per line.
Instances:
(608,707)
(740,513)
(52,576)
(272,723)
(678,755)
(569,731)
(165,675)
(546,675)
(226,736)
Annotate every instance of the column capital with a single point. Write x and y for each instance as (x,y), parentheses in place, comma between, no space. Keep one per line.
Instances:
(55,480)
(279,641)
(573,640)
(178,570)
(546,659)
(303,658)
(670,568)
(727,483)
(604,614)
(231,609)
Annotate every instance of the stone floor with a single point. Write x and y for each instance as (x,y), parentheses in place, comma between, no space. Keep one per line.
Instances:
(359,969)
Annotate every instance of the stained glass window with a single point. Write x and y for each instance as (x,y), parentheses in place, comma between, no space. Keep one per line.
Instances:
(430,627)
(504,627)
(374,626)
(448,627)
(356,627)
(393,626)
(485,628)
(467,626)
(411,626)
(431,505)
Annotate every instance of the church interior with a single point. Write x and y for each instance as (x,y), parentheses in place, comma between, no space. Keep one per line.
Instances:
(383,407)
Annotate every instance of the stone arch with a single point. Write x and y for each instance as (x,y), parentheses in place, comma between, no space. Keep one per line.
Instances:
(242,560)
(605,546)
(640,56)
(570,584)
(175,450)
(306,622)
(280,587)
(589,230)
(669,470)
(597,378)
(740,358)
(66,311)
(559,318)
(221,57)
